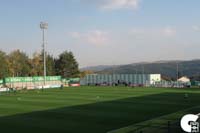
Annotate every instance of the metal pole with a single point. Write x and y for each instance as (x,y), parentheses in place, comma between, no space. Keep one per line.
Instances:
(44,26)
(177,69)
(44,56)
(143,80)
(143,69)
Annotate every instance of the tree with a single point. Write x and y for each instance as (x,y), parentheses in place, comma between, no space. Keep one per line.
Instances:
(50,61)
(4,65)
(36,65)
(19,63)
(66,65)
(84,73)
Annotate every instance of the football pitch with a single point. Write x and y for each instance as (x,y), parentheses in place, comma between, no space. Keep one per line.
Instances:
(94,109)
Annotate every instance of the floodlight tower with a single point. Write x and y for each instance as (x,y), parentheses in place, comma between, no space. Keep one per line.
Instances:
(43,27)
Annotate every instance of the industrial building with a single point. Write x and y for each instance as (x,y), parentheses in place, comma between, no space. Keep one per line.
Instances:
(110,79)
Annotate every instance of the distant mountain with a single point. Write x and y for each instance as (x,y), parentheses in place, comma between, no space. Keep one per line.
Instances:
(165,68)
(96,68)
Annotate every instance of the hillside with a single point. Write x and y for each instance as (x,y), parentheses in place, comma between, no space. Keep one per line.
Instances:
(96,68)
(166,68)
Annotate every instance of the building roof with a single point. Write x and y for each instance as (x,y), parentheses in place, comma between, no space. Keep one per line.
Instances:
(184,79)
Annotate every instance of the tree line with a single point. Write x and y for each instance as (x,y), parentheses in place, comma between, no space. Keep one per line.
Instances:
(18,63)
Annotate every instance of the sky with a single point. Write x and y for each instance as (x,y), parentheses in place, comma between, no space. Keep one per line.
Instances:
(104,32)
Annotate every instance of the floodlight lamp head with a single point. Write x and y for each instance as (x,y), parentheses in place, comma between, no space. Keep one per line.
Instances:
(43,25)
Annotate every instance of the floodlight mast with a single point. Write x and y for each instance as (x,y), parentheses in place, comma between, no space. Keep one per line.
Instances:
(43,27)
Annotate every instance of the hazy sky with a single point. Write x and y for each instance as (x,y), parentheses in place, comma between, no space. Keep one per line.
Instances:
(104,31)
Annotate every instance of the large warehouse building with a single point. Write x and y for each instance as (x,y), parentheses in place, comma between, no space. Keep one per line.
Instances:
(136,79)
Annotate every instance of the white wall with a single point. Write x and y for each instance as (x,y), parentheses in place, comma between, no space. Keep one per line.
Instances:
(155,78)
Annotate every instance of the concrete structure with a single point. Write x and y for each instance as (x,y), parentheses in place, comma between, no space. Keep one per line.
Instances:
(136,79)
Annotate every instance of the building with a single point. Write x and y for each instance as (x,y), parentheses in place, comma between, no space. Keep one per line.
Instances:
(110,79)
(184,79)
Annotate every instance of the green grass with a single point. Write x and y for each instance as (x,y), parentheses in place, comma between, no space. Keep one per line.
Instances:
(90,109)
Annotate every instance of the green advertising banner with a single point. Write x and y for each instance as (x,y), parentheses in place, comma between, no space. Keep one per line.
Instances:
(71,80)
(31,79)
(74,80)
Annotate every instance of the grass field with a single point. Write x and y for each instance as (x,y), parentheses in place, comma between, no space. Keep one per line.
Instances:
(90,109)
